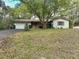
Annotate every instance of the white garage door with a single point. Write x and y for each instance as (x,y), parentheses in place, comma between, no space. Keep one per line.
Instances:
(20,25)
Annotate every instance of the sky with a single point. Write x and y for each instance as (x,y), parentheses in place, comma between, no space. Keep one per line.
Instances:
(11,3)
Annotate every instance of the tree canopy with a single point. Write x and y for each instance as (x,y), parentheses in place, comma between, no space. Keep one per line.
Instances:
(20,11)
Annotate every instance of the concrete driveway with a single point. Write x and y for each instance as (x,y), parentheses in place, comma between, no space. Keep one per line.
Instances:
(6,33)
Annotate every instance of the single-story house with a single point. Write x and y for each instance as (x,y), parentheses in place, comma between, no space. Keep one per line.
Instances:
(55,23)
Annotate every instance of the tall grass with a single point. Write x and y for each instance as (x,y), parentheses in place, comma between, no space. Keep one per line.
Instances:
(42,44)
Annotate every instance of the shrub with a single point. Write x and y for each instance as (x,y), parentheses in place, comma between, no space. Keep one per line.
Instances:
(26,27)
(5,24)
(71,24)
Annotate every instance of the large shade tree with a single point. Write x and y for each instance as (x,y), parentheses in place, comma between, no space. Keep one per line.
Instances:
(45,9)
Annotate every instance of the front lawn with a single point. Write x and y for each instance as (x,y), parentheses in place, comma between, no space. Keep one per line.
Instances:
(42,44)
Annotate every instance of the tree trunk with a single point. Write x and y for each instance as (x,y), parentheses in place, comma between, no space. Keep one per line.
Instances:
(44,25)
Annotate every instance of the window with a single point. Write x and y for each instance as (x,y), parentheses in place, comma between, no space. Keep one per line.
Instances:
(61,23)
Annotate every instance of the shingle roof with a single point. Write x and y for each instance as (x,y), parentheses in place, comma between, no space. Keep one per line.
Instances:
(60,18)
(26,20)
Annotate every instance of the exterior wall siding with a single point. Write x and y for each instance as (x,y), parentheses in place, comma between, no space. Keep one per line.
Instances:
(55,23)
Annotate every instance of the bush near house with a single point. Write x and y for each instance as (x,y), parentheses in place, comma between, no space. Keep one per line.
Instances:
(71,23)
(42,44)
(27,28)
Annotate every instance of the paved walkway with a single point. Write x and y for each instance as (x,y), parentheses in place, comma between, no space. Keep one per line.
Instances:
(6,33)
(76,27)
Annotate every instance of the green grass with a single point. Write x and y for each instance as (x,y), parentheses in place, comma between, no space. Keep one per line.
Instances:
(42,44)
